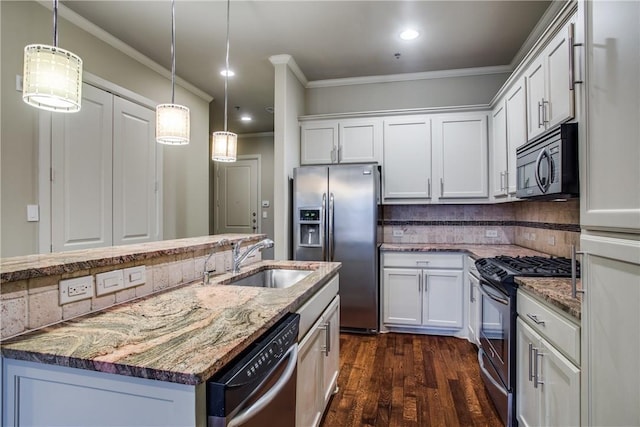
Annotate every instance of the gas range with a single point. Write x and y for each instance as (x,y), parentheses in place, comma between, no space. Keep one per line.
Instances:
(501,270)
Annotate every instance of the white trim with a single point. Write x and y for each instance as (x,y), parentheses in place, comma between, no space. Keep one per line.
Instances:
(289,61)
(385,113)
(255,135)
(427,75)
(114,89)
(118,44)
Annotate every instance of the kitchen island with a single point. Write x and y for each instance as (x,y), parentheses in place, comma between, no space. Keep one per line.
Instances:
(146,361)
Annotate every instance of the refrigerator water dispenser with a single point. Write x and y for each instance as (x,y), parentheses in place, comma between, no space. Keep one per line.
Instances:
(309,219)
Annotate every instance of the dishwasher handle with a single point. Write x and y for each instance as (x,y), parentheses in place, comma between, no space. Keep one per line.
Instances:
(268,397)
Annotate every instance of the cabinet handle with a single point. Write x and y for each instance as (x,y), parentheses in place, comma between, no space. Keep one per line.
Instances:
(327,338)
(429,186)
(419,283)
(535,319)
(536,368)
(441,187)
(422,263)
(539,115)
(572,46)
(426,283)
(574,272)
(502,174)
(530,364)
(339,153)
(471,297)
(545,114)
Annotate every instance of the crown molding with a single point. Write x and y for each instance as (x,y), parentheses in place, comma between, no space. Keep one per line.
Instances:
(291,63)
(398,112)
(118,44)
(427,75)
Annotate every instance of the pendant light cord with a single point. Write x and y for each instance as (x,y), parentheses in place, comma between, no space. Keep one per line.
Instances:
(55,23)
(173,51)
(226,74)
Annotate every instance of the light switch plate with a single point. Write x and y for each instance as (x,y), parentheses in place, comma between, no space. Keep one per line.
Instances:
(33,213)
(491,233)
(75,289)
(109,282)
(135,276)
(398,233)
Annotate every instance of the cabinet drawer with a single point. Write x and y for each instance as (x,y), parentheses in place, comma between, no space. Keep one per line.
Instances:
(562,332)
(423,260)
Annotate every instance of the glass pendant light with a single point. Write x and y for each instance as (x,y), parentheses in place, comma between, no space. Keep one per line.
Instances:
(224,144)
(52,76)
(172,120)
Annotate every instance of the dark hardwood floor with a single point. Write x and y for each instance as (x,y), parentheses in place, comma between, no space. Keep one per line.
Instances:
(409,380)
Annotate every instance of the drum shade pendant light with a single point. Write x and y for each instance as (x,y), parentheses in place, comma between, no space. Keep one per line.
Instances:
(52,76)
(224,144)
(172,120)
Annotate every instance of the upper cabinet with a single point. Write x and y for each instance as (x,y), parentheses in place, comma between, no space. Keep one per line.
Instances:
(461,153)
(516,105)
(407,158)
(341,141)
(610,131)
(549,84)
(499,168)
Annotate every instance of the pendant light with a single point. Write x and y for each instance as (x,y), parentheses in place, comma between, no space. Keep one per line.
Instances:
(52,76)
(224,144)
(172,120)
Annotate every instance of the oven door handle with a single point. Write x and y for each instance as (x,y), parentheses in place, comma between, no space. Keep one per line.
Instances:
(268,397)
(495,383)
(502,301)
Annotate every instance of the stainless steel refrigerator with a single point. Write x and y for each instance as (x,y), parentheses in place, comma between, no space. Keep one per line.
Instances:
(336,219)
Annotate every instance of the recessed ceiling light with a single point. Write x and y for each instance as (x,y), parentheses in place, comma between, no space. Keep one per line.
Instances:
(224,73)
(245,118)
(409,34)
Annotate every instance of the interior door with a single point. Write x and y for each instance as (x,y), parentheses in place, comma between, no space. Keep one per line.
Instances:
(237,197)
(135,194)
(81,174)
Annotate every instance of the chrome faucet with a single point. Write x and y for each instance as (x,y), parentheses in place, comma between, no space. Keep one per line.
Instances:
(206,274)
(239,258)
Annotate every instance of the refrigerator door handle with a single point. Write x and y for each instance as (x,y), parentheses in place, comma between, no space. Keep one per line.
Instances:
(323,227)
(331,236)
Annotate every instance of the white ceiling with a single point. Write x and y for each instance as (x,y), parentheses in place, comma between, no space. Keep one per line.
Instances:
(327,39)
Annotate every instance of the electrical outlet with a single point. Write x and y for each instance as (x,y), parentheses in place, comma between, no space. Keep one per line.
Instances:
(109,282)
(551,240)
(135,276)
(398,233)
(75,289)
(491,233)
(532,236)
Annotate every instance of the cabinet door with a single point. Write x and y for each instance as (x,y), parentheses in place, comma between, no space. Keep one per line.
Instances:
(136,204)
(474,312)
(309,396)
(360,141)
(407,158)
(560,388)
(528,397)
(318,142)
(610,132)
(402,290)
(331,319)
(462,145)
(443,301)
(499,150)
(516,101)
(559,95)
(535,98)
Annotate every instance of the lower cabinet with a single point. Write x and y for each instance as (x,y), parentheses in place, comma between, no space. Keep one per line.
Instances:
(548,383)
(318,365)
(429,298)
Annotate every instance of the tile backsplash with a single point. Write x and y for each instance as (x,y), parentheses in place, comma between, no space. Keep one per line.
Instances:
(550,227)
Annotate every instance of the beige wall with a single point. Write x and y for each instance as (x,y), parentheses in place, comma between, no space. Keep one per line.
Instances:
(185,175)
(439,92)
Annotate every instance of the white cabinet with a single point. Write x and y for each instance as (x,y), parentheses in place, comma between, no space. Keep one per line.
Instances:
(424,291)
(516,104)
(318,366)
(473,316)
(549,90)
(548,372)
(548,384)
(343,141)
(407,158)
(499,147)
(610,132)
(461,155)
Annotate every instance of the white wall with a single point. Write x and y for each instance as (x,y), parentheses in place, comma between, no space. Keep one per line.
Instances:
(288,106)
(185,176)
(424,93)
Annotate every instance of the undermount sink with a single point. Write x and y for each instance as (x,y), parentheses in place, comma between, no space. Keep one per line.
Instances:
(273,278)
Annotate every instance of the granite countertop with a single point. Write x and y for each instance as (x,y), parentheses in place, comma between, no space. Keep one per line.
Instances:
(183,335)
(30,266)
(556,291)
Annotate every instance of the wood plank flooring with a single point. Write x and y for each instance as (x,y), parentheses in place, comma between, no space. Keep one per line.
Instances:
(409,380)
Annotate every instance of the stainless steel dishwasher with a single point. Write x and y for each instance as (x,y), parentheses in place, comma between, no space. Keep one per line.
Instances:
(259,387)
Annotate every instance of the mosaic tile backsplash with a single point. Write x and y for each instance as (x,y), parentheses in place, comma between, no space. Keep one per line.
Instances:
(550,227)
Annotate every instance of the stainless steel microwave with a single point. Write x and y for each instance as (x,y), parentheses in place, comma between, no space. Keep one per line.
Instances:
(547,167)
